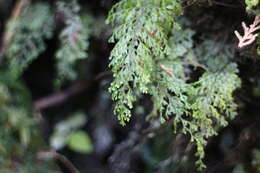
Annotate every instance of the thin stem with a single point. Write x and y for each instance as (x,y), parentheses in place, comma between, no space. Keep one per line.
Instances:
(59,157)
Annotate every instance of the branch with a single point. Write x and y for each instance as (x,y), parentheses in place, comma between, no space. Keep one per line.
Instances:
(62,96)
(225,4)
(59,97)
(10,29)
(167,70)
(120,159)
(249,36)
(60,157)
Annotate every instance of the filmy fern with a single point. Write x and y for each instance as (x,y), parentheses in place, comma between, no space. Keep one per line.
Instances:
(145,61)
(142,29)
(210,99)
(74,40)
(15,113)
(18,128)
(169,90)
(34,26)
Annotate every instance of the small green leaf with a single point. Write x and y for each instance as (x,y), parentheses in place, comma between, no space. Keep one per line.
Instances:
(64,129)
(25,136)
(79,141)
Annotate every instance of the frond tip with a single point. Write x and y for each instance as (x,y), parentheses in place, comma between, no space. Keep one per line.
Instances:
(249,36)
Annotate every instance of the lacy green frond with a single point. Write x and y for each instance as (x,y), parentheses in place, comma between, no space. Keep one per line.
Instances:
(19,137)
(141,31)
(169,92)
(145,61)
(212,105)
(200,108)
(74,40)
(181,43)
(169,97)
(16,112)
(31,30)
(251,4)
(211,97)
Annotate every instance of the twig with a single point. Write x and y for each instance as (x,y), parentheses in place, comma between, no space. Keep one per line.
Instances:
(190,4)
(226,5)
(59,97)
(164,163)
(10,29)
(120,159)
(62,96)
(153,129)
(210,2)
(249,36)
(167,70)
(59,157)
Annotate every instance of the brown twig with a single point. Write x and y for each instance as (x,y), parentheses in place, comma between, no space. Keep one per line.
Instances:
(225,4)
(10,29)
(190,3)
(59,157)
(61,97)
(167,70)
(249,36)
(120,159)
(154,129)
(210,2)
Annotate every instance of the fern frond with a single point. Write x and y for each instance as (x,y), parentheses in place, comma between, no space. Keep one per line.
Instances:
(211,97)
(212,105)
(16,112)
(145,61)
(74,41)
(33,27)
(141,28)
